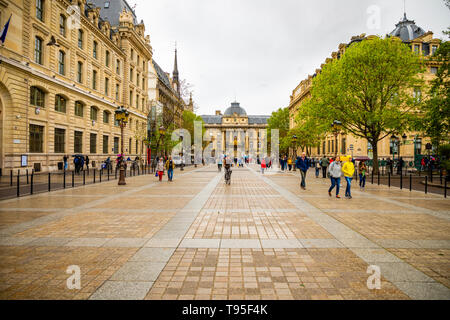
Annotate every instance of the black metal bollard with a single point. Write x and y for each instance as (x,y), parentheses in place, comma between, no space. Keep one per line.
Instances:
(115,174)
(108,174)
(401,181)
(28,181)
(94,175)
(389,179)
(372,175)
(426,184)
(49,182)
(445,188)
(64,179)
(84,178)
(440,175)
(11,177)
(378,176)
(32,180)
(410,182)
(18,186)
(73,178)
(101,172)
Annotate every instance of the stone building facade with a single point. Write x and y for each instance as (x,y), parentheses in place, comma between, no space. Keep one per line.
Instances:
(235,133)
(60,82)
(420,42)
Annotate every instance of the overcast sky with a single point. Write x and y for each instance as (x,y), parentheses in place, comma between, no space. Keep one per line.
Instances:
(259,50)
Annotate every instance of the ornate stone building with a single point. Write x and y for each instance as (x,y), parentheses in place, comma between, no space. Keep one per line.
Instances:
(420,42)
(235,133)
(61,82)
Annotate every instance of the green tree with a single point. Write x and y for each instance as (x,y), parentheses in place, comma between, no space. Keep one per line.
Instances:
(279,120)
(368,89)
(433,116)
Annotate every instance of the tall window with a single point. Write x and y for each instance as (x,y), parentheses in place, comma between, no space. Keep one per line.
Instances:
(328,146)
(80,38)
(116,145)
(132,54)
(416,48)
(131,74)
(94,79)
(117,91)
(105,144)
(143,104)
(60,103)
(129,145)
(107,58)
(94,113)
(94,49)
(138,60)
(137,101)
(38,50)
(105,116)
(137,79)
(36,138)
(40,10)
(323,147)
(417,94)
(78,142)
(143,83)
(433,49)
(93,143)
(62,25)
(343,146)
(60,140)
(80,72)
(79,109)
(37,97)
(62,63)
(118,66)
(131,98)
(106,86)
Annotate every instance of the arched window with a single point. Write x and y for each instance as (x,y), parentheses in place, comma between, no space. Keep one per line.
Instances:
(79,108)
(38,50)
(37,97)
(106,116)
(62,25)
(60,103)
(62,62)
(94,113)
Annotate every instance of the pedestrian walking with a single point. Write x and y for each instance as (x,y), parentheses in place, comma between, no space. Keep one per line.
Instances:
(289,162)
(324,162)
(81,163)
(303,164)
(86,160)
(160,168)
(219,163)
(170,165)
(349,170)
(335,172)
(263,165)
(317,167)
(362,170)
(76,162)
(66,164)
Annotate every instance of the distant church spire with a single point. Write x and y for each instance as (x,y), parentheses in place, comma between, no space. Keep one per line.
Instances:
(175,73)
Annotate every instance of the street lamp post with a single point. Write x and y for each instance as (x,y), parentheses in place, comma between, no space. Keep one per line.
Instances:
(162,132)
(294,140)
(121,115)
(336,128)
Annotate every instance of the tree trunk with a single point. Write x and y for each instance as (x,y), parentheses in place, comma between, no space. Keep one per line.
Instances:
(375,157)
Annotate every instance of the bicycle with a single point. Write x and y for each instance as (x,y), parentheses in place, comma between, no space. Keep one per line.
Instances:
(228,175)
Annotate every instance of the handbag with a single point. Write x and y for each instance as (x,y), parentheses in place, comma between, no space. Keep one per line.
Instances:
(156,174)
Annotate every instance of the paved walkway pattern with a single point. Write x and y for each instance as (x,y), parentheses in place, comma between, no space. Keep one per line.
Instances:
(197,238)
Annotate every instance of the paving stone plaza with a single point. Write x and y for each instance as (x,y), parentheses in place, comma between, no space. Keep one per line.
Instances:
(196,238)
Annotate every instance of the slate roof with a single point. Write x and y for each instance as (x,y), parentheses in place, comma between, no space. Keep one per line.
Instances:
(235,108)
(112,13)
(162,76)
(407,30)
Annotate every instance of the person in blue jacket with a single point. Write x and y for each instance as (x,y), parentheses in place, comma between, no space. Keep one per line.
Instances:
(303,163)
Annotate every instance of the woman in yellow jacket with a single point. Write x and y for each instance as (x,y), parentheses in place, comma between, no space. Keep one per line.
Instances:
(349,170)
